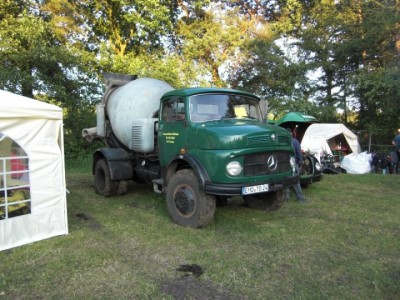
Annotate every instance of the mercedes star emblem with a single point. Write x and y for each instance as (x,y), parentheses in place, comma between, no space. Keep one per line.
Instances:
(272,163)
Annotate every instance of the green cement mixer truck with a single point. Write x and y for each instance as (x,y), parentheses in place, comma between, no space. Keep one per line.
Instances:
(199,146)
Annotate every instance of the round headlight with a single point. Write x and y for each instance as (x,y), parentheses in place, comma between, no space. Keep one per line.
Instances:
(318,166)
(292,162)
(234,168)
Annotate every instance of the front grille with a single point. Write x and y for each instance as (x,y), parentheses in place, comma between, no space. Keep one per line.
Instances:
(284,140)
(255,140)
(266,139)
(257,163)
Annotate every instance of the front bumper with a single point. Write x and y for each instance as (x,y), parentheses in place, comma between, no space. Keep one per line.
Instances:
(236,189)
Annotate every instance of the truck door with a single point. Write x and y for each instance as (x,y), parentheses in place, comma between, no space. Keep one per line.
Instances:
(172,129)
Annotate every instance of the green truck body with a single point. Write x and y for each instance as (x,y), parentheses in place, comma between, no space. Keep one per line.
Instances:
(209,144)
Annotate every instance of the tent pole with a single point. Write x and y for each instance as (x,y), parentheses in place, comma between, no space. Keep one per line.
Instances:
(369,142)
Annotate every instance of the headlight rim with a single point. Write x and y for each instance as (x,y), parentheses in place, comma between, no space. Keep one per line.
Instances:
(234,168)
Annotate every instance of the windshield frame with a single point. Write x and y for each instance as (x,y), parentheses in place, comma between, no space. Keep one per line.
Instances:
(222,106)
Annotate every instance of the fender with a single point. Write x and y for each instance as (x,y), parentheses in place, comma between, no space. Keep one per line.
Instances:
(198,169)
(118,161)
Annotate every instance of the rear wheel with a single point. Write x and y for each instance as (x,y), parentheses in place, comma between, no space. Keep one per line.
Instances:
(104,185)
(186,203)
(265,201)
(122,187)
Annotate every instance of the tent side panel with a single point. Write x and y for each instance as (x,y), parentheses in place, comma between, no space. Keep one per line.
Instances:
(48,216)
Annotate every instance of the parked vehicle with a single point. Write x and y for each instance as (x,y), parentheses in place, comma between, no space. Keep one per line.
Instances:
(197,145)
(311,169)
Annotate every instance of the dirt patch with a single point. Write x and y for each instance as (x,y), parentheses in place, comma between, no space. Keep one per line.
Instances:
(80,181)
(189,286)
(188,270)
(93,224)
(134,205)
(83,216)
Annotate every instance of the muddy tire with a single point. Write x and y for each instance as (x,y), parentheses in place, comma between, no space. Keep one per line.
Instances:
(103,184)
(265,201)
(187,205)
(122,187)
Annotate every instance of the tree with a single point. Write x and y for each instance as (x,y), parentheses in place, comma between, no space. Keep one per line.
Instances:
(57,50)
(214,39)
(41,59)
(376,81)
(128,36)
(352,45)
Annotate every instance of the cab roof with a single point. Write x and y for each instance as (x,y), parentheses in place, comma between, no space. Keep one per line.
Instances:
(186,92)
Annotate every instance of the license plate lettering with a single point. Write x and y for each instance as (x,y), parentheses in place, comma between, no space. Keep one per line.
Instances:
(247,190)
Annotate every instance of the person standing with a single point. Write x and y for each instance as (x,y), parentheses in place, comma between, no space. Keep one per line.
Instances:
(396,143)
(299,160)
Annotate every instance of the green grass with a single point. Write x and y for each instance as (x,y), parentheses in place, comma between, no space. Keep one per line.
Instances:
(342,244)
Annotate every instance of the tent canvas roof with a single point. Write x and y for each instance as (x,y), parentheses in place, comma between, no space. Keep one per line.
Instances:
(16,106)
(37,128)
(316,137)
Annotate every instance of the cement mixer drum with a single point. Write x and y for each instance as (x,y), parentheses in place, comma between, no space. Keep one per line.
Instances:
(133,105)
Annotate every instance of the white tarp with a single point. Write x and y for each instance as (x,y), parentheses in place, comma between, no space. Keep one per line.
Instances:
(38,129)
(317,136)
(357,163)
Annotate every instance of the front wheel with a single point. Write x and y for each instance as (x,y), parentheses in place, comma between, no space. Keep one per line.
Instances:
(265,201)
(186,203)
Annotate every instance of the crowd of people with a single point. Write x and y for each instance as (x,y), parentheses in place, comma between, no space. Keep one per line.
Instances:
(390,163)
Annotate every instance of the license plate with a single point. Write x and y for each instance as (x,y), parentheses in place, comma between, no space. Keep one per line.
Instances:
(247,190)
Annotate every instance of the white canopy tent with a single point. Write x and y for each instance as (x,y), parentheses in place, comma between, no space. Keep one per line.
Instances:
(322,138)
(32,172)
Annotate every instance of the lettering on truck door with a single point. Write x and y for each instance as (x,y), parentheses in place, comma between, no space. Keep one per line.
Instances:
(172,129)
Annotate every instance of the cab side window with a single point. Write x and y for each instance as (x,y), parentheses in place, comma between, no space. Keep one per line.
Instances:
(173,110)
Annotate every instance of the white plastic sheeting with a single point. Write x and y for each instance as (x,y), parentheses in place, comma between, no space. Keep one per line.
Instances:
(316,137)
(38,129)
(357,163)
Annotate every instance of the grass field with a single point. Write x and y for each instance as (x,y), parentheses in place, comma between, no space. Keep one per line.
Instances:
(342,244)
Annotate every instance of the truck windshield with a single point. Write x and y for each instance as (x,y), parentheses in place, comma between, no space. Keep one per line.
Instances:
(209,107)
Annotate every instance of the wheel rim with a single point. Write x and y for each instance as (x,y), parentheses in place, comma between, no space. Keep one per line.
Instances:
(185,201)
